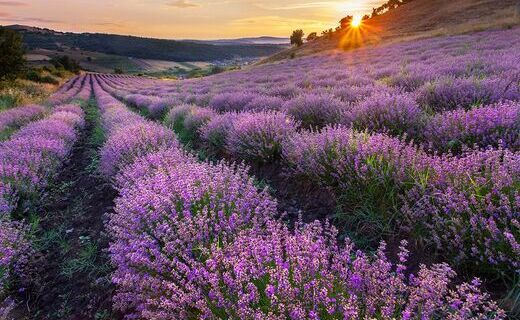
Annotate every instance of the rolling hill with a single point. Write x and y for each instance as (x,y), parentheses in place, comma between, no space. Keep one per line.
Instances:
(146,48)
(417,19)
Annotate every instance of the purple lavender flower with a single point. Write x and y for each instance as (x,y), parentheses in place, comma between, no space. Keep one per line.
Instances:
(259,136)
(16,117)
(131,142)
(233,101)
(392,113)
(494,125)
(314,110)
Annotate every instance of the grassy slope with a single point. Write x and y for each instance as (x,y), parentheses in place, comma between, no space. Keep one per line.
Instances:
(21,92)
(420,19)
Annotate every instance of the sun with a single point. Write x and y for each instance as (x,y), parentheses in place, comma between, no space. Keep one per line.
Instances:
(356,21)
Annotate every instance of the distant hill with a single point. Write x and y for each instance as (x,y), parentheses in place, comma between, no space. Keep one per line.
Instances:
(146,48)
(242,41)
(418,19)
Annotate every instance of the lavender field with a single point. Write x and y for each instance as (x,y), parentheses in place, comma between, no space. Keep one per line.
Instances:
(378,183)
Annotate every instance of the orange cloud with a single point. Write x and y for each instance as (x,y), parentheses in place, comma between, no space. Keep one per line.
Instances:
(183,4)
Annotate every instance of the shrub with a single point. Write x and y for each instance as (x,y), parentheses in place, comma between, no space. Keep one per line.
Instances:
(32,155)
(259,136)
(49,79)
(451,93)
(264,103)
(7,199)
(133,141)
(314,110)
(233,101)
(470,209)
(164,226)
(19,116)
(197,118)
(279,274)
(368,174)
(32,75)
(494,125)
(214,134)
(392,113)
(14,253)
(149,165)
(158,107)
(66,62)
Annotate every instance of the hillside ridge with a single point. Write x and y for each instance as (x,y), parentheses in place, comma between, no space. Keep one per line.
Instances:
(415,20)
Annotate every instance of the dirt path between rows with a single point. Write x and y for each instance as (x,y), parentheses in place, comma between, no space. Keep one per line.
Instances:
(71,270)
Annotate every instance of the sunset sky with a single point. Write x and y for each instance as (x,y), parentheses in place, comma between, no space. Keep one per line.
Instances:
(181,19)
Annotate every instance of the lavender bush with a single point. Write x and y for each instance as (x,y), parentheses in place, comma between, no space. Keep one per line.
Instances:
(392,113)
(314,110)
(19,116)
(133,141)
(164,223)
(494,125)
(259,136)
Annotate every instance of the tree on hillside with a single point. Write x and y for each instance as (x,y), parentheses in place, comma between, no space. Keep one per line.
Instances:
(12,61)
(327,33)
(345,22)
(312,36)
(297,37)
(65,62)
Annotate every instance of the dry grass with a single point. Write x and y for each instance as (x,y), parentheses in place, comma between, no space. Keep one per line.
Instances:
(22,92)
(416,20)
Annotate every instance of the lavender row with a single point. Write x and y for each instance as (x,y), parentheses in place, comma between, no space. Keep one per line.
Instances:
(33,153)
(78,87)
(198,240)
(397,114)
(17,117)
(28,160)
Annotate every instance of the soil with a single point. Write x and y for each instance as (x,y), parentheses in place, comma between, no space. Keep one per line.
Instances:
(71,272)
(296,199)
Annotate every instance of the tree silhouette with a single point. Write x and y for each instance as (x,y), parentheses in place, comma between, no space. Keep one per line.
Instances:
(345,22)
(297,37)
(312,36)
(12,61)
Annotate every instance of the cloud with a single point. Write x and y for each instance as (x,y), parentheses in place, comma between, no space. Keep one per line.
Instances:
(273,20)
(275,24)
(352,5)
(296,6)
(183,4)
(13,4)
(10,18)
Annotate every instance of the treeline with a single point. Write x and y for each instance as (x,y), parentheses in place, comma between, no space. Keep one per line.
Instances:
(144,48)
(387,6)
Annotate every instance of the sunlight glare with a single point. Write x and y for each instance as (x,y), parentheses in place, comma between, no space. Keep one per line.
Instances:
(356,21)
